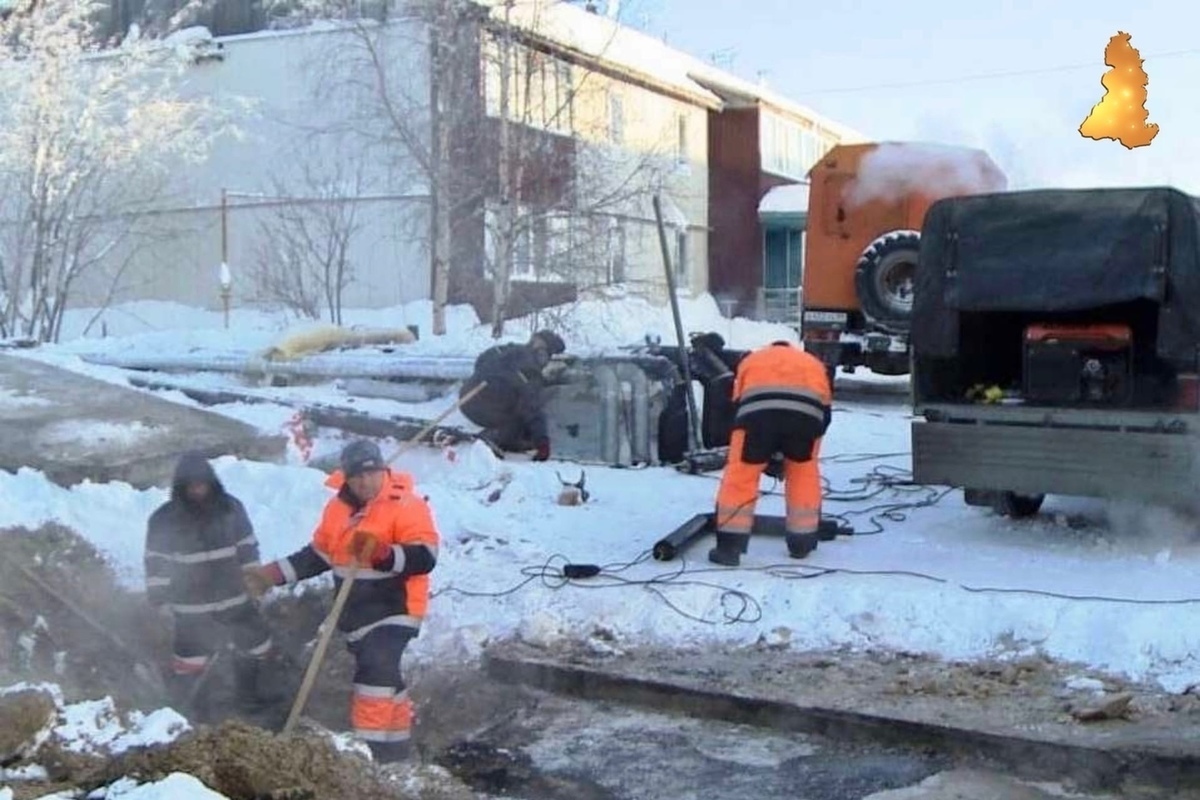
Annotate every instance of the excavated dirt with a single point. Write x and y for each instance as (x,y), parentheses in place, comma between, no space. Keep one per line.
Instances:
(243,762)
(120,650)
(105,646)
(23,715)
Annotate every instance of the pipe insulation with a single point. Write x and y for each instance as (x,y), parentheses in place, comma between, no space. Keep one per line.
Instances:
(342,365)
(325,365)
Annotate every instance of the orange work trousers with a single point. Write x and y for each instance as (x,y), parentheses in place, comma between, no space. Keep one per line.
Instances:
(381,712)
(738,494)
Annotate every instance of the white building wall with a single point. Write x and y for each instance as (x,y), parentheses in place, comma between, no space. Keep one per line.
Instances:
(290,143)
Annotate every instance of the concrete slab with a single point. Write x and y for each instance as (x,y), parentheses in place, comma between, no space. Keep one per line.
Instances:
(75,428)
(785,692)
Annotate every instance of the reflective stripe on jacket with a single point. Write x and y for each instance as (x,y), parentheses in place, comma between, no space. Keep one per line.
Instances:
(397,517)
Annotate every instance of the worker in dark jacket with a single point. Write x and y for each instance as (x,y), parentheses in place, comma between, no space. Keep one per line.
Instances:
(511,408)
(783,406)
(197,544)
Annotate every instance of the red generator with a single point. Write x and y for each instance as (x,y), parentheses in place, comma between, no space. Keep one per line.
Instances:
(1078,364)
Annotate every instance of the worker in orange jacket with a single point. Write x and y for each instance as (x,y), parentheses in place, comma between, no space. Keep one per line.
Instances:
(783,406)
(376,523)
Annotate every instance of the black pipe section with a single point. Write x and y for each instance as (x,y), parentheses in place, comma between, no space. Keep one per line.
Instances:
(683,537)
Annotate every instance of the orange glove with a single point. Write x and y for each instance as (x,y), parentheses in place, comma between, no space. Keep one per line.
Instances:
(371,552)
(260,580)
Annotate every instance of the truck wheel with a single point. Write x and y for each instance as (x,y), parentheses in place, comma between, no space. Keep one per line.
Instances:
(1014,505)
(884,279)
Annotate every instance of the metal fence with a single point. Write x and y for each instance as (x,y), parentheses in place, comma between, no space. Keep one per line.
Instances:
(778,305)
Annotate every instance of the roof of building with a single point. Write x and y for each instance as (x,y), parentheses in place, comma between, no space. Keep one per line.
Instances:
(605,40)
(790,198)
(729,86)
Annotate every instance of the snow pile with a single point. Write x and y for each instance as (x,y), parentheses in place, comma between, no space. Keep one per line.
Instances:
(175,786)
(90,434)
(283,504)
(95,727)
(156,328)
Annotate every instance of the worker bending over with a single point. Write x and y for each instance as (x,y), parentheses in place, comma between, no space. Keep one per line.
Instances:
(511,408)
(378,524)
(782,399)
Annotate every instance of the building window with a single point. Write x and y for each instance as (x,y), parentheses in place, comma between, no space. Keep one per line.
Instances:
(681,257)
(523,265)
(681,143)
(790,148)
(616,252)
(564,97)
(616,119)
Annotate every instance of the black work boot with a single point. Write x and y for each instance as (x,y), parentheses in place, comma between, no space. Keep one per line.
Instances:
(256,689)
(729,549)
(799,545)
(827,530)
(390,752)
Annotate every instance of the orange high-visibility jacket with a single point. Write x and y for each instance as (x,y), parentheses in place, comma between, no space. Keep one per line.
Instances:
(782,377)
(397,517)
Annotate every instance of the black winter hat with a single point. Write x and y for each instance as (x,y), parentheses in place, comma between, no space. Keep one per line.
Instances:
(554,343)
(361,455)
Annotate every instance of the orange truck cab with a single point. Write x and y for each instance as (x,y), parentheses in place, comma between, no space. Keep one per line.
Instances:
(866,206)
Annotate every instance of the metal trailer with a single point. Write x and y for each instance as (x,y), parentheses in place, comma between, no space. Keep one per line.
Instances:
(992,268)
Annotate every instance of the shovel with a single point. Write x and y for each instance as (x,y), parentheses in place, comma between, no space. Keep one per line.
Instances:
(327,629)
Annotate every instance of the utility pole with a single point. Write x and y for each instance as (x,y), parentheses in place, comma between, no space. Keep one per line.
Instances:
(224,276)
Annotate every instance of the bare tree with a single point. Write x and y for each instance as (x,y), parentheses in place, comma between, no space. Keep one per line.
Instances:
(567,179)
(303,256)
(87,139)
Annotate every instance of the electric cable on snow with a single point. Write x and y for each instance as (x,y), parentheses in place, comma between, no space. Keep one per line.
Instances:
(737,606)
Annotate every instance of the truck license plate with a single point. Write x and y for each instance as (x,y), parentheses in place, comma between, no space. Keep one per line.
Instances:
(877,344)
(825,317)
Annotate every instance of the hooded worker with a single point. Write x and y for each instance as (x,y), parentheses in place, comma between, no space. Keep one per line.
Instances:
(511,408)
(381,531)
(783,408)
(197,544)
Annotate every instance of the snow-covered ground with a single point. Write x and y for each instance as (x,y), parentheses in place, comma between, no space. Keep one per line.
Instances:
(96,728)
(1116,593)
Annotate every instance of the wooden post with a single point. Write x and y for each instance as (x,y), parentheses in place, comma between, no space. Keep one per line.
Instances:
(225,278)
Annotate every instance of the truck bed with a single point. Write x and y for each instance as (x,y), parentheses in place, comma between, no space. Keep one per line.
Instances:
(1142,455)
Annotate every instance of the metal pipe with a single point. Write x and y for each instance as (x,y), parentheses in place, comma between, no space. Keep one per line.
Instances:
(693,415)
(325,365)
(680,539)
(639,391)
(610,414)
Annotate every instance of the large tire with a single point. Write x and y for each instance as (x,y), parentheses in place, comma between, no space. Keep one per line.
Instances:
(1018,506)
(884,280)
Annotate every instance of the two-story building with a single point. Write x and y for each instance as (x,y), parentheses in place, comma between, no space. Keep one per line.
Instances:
(761,147)
(564,124)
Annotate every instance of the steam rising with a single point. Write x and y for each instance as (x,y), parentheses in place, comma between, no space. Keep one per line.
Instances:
(893,170)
